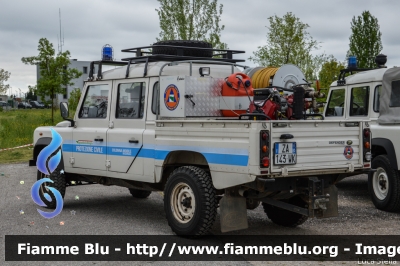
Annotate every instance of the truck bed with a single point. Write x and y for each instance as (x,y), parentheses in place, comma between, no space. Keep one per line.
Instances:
(234,145)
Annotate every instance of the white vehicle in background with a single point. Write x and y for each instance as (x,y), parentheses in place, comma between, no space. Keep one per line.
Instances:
(373,96)
(156,124)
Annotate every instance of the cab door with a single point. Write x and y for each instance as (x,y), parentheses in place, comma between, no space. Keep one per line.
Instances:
(125,136)
(89,137)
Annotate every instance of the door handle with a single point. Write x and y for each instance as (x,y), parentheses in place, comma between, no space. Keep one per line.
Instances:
(133,141)
(98,140)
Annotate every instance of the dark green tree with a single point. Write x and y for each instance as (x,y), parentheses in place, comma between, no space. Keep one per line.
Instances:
(31,94)
(4,76)
(55,75)
(191,20)
(365,39)
(289,42)
(73,100)
(330,72)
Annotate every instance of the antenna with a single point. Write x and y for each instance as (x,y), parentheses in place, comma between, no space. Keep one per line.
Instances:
(61,40)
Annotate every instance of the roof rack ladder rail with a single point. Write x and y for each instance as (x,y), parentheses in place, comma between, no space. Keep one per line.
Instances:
(99,74)
(91,70)
(127,69)
(145,67)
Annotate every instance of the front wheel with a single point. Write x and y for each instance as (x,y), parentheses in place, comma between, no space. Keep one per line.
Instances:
(190,202)
(384,185)
(59,184)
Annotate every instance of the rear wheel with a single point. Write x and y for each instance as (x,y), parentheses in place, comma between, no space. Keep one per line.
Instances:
(59,184)
(138,193)
(384,185)
(190,202)
(284,217)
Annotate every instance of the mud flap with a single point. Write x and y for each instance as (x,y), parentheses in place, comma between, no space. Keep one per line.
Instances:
(332,205)
(233,211)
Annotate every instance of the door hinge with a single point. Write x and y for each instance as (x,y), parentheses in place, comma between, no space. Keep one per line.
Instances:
(108,163)
(111,124)
(71,160)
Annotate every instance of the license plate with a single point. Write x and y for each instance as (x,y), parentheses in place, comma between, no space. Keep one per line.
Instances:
(285,153)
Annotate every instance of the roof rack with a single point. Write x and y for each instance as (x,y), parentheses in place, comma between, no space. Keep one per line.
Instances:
(341,79)
(145,55)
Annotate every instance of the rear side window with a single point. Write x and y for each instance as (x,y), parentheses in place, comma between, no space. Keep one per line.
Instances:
(359,101)
(131,98)
(395,96)
(336,103)
(377,96)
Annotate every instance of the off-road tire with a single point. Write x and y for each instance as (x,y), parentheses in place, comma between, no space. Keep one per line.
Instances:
(284,217)
(59,184)
(199,182)
(391,201)
(186,52)
(138,193)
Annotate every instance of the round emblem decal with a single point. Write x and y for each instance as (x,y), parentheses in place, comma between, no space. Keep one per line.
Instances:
(348,152)
(171,97)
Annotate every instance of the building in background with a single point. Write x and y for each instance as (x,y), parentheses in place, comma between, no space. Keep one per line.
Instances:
(82,66)
(3,98)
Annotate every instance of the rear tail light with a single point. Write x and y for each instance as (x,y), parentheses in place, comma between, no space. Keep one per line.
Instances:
(264,149)
(265,162)
(367,144)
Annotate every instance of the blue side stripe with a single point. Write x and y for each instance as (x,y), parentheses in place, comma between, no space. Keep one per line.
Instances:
(214,158)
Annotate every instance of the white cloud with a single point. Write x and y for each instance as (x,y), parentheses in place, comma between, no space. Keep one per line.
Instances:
(90,24)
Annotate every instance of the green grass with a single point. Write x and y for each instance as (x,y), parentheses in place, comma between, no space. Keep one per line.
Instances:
(16,129)
(16,156)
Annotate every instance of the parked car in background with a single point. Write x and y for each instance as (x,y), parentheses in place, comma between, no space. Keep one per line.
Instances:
(36,104)
(24,105)
(5,105)
(46,105)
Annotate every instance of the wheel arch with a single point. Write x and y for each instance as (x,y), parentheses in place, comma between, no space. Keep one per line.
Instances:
(381,146)
(180,158)
(39,146)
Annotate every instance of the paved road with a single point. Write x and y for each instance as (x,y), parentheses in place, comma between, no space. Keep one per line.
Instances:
(104,210)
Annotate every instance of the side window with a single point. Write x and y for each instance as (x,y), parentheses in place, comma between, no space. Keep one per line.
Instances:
(95,102)
(359,101)
(336,103)
(395,95)
(131,97)
(377,95)
(156,91)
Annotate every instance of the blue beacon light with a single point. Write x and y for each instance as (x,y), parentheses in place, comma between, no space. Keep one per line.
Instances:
(352,62)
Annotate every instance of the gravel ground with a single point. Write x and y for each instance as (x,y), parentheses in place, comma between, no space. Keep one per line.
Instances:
(104,210)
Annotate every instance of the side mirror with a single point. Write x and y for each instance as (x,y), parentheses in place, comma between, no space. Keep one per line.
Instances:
(64,110)
(65,113)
